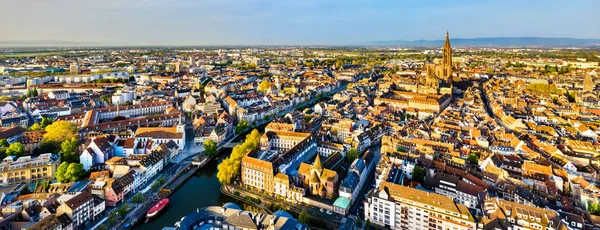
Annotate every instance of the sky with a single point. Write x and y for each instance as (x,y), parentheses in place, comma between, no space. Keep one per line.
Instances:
(291,22)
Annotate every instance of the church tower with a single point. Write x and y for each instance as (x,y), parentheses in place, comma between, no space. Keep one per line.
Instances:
(447,61)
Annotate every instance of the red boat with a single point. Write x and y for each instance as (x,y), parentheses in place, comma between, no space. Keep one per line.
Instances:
(157,208)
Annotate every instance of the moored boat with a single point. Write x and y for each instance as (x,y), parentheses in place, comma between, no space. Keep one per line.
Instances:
(157,208)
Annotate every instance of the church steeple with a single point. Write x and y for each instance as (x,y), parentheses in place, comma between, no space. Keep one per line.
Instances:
(317,164)
(447,61)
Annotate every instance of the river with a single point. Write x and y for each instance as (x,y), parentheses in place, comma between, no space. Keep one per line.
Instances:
(201,190)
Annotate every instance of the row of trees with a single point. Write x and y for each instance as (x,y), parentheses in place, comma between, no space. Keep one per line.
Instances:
(32,92)
(544,88)
(229,168)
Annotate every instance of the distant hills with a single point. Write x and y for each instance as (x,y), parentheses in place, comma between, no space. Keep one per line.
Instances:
(44,43)
(494,42)
(473,42)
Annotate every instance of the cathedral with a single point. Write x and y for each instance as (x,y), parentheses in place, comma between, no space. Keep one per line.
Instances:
(438,77)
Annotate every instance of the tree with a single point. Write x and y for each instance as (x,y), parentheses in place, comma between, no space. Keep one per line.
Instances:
(59,132)
(418,174)
(210,148)
(264,86)
(4,143)
(105,98)
(304,217)
(489,71)
(351,155)
(307,118)
(473,158)
(241,127)
(16,149)
(74,172)
(131,78)
(594,208)
(35,127)
(45,122)
(60,172)
(229,168)
(67,150)
(401,149)
(138,198)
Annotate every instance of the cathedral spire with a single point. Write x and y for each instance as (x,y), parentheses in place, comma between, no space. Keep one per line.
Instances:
(447,61)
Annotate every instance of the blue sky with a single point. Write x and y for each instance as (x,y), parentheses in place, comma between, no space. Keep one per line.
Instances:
(291,22)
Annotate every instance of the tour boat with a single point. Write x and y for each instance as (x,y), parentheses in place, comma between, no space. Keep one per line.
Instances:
(157,208)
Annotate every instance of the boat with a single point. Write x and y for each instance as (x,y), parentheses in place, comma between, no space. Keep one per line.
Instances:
(157,208)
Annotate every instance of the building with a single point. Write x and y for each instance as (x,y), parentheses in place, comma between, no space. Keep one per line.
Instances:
(462,192)
(28,169)
(161,135)
(98,151)
(78,206)
(280,152)
(11,134)
(395,206)
(509,215)
(74,68)
(318,181)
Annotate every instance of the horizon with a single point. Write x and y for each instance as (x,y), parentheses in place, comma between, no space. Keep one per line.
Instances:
(306,23)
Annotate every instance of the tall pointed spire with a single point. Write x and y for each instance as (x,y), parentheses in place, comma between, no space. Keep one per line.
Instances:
(447,61)
(317,164)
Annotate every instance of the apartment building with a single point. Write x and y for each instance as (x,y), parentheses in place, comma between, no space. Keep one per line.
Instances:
(279,152)
(79,207)
(395,206)
(513,215)
(28,169)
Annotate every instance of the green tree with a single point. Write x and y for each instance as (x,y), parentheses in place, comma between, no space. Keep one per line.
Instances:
(418,174)
(45,122)
(473,158)
(4,143)
(594,208)
(241,126)
(304,217)
(264,86)
(16,149)
(61,171)
(210,148)
(351,155)
(105,98)
(67,150)
(59,132)
(74,172)
(401,149)
(138,198)
(307,118)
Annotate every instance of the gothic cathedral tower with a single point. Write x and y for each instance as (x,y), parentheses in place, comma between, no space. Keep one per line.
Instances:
(447,62)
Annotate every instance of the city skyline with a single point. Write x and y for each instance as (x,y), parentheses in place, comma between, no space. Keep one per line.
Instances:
(290,23)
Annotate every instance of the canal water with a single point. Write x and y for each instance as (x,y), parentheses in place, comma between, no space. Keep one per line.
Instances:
(201,190)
